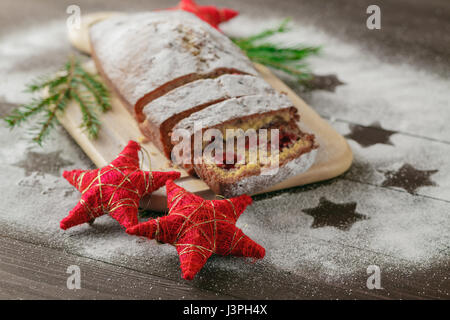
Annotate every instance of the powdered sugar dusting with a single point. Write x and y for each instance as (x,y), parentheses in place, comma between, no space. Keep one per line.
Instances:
(402,97)
(396,231)
(371,163)
(18,48)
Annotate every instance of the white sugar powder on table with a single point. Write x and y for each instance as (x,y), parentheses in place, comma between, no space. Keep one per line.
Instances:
(400,96)
(30,53)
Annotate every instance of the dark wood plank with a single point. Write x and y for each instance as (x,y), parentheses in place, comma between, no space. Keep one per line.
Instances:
(36,271)
(29,271)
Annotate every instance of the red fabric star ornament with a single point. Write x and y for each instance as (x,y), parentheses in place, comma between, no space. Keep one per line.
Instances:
(210,14)
(115,189)
(198,228)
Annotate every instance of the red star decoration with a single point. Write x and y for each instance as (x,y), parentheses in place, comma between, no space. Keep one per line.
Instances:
(198,228)
(115,189)
(210,14)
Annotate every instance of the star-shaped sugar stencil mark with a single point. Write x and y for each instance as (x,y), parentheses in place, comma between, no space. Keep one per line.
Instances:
(408,178)
(370,135)
(327,82)
(43,163)
(338,215)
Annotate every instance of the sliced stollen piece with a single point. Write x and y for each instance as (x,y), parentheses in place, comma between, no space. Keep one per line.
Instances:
(143,56)
(162,114)
(231,172)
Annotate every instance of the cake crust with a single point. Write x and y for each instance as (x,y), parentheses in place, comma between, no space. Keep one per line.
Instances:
(123,44)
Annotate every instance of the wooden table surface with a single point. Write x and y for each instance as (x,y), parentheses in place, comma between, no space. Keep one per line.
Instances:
(391,210)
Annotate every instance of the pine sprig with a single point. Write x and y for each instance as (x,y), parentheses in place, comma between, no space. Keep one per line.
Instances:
(286,59)
(90,121)
(72,83)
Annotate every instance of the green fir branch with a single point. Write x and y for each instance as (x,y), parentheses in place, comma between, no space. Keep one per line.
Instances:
(286,59)
(72,83)
(250,41)
(90,122)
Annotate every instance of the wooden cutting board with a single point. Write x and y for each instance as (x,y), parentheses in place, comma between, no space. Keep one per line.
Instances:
(118,127)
